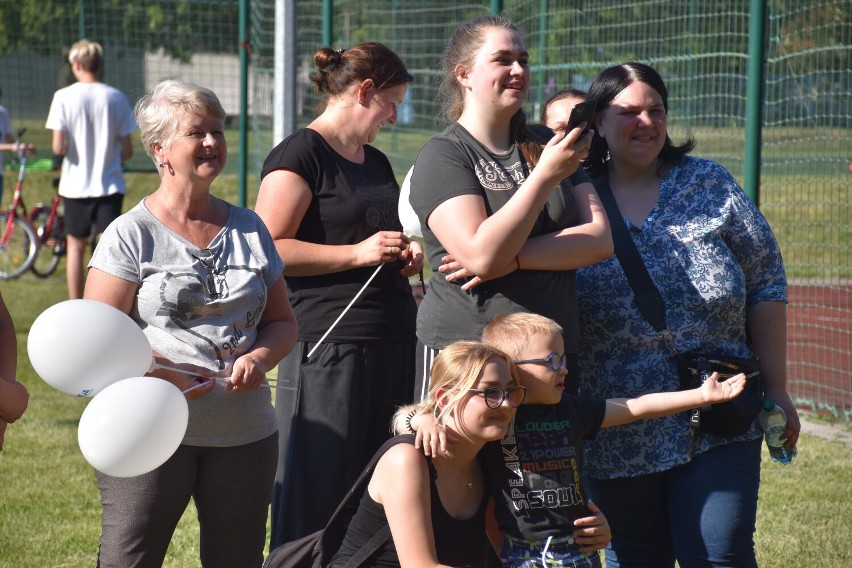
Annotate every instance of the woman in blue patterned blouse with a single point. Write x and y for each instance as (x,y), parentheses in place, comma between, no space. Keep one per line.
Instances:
(671,492)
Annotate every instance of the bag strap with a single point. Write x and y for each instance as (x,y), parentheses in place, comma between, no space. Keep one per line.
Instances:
(357,488)
(369,547)
(648,297)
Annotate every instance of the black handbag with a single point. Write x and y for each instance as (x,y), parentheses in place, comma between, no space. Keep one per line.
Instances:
(727,419)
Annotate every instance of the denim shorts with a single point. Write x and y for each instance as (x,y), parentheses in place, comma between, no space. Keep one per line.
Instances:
(553,552)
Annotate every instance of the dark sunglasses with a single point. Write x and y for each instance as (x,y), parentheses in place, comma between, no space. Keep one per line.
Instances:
(555,361)
(494,396)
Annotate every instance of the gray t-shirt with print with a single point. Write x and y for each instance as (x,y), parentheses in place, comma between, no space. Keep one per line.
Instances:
(200,307)
(452,164)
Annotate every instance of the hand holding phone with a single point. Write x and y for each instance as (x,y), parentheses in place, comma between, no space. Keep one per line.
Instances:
(581,112)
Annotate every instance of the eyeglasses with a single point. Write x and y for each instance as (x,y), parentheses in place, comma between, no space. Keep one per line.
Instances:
(555,361)
(494,396)
(213,281)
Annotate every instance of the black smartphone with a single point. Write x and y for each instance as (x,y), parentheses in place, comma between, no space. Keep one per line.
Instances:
(581,112)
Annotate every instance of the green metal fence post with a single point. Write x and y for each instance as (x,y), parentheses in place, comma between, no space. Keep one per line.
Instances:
(496,7)
(327,22)
(242,173)
(81,20)
(754,100)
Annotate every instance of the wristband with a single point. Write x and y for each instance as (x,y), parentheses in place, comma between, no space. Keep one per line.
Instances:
(517,262)
(408,421)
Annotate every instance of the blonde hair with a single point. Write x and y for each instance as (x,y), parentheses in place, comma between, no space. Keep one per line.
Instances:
(455,370)
(158,113)
(511,332)
(89,54)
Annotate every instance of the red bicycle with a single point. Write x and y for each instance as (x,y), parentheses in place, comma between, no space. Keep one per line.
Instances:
(49,224)
(19,241)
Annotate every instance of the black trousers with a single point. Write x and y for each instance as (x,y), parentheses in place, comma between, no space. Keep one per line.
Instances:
(334,412)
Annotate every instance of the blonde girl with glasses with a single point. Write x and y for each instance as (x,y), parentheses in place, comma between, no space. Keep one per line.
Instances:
(435,507)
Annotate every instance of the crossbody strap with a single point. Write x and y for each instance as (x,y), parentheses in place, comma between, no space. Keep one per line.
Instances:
(357,488)
(648,297)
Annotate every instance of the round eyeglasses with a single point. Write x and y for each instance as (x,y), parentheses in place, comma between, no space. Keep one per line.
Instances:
(555,361)
(494,396)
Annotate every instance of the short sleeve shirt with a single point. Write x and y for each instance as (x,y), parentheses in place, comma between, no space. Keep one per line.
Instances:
(453,164)
(535,471)
(200,306)
(351,202)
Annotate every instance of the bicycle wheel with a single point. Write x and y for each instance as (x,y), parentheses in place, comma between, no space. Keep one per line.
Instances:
(18,246)
(52,245)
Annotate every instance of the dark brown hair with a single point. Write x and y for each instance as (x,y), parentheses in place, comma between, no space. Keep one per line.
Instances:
(337,70)
(558,96)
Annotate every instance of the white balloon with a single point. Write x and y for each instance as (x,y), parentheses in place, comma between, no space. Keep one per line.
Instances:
(133,426)
(407,216)
(81,346)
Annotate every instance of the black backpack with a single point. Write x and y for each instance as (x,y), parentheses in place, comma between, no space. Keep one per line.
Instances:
(316,549)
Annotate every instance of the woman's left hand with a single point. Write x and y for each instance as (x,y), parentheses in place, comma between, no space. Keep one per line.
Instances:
(453,270)
(592,533)
(412,257)
(247,373)
(794,424)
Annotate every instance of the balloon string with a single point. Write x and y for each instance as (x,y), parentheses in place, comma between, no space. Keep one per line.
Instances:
(370,279)
(198,386)
(155,366)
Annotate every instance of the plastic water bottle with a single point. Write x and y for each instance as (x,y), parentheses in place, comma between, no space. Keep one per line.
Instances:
(773,420)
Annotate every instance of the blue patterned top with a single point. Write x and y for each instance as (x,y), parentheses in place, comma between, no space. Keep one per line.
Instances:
(712,255)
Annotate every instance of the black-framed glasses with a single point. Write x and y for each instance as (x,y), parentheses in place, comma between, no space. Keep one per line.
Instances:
(494,396)
(555,361)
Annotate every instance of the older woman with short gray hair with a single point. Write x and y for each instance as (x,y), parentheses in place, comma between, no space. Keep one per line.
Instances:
(203,280)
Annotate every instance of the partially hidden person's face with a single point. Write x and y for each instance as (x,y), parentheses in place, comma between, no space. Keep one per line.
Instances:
(500,74)
(558,112)
(634,125)
(478,420)
(544,384)
(198,148)
(383,107)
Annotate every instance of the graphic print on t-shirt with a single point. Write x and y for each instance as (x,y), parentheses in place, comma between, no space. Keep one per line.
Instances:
(496,177)
(188,296)
(546,465)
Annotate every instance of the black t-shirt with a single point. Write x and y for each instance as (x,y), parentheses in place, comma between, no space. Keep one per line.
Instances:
(350,202)
(458,542)
(453,164)
(535,471)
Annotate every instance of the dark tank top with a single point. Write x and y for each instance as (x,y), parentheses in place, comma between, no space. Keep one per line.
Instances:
(458,542)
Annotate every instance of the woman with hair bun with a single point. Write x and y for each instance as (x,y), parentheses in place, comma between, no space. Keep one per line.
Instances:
(330,202)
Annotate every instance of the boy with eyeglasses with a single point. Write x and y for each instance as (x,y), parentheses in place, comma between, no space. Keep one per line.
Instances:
(535,472)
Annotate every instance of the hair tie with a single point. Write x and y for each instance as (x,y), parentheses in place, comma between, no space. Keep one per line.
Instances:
(333,60)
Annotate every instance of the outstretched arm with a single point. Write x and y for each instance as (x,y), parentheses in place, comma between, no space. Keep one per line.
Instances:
(653,405)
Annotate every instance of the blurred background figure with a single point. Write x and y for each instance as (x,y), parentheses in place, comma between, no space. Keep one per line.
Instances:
(91,124)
